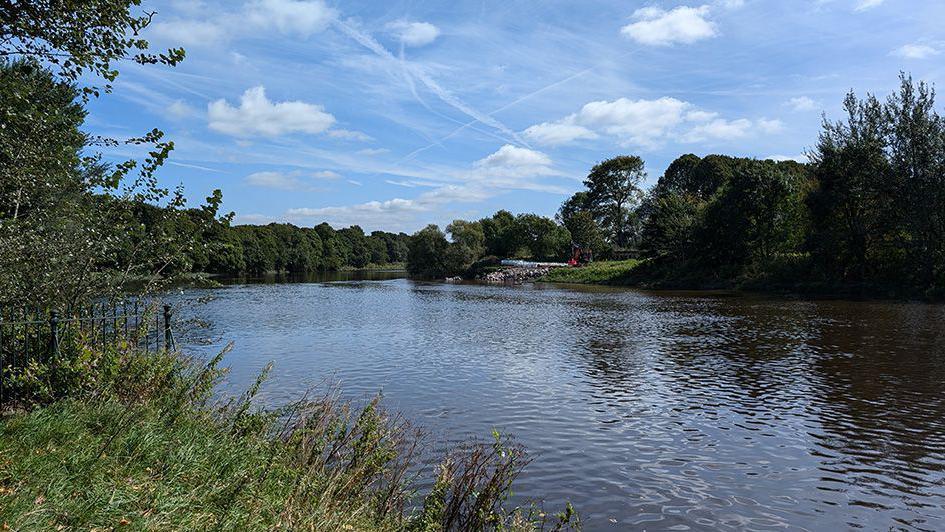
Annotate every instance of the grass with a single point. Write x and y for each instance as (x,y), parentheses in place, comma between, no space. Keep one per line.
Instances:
(389,267)
(605,272)
(142,446)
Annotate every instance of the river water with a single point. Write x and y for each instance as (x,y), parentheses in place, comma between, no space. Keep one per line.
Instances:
(646,410)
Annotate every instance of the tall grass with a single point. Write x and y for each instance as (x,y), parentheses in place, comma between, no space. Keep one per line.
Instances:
(146,445)
(606,272)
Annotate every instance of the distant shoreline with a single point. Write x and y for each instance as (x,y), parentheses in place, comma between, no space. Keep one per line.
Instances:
(641,275)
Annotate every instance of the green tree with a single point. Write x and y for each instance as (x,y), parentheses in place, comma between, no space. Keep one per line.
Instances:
(577,203)
(542,237)
(585,232)
(499,234)
(670,219)
(427,251)
(916,148)
(467,246)
(614,191)
(358,253)
(68,223)
(79,37)
(761,212)
(852,206)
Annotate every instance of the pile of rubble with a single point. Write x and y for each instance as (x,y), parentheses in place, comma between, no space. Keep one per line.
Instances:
(515,275)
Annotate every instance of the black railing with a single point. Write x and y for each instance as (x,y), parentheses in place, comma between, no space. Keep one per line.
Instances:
(32,334)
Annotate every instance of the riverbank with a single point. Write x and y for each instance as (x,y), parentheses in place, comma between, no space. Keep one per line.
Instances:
(788,276)
(137,441)
(606,272)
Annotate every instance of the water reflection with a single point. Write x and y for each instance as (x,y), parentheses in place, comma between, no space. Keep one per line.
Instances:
(646,410)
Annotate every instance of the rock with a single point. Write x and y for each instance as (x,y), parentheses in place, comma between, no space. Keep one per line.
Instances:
(454,279)
(515,275)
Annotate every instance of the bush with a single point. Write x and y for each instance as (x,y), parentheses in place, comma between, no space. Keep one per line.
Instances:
(142,444)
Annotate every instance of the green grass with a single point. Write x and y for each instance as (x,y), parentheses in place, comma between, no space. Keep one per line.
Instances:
(605,272)
(140,445)
(389,267)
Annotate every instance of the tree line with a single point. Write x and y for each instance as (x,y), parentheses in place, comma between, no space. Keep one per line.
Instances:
(273,248)
(867,212)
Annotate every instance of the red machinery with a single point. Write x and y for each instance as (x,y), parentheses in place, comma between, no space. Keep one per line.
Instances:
(580,255)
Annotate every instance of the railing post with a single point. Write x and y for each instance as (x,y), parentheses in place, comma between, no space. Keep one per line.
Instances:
(168,338)
(54,334)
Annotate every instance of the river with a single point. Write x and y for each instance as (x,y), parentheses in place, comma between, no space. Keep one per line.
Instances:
(646,410)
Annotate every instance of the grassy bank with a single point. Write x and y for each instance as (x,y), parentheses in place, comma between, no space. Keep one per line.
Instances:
(144,446)
(789,274)
(606,272)
(389,267)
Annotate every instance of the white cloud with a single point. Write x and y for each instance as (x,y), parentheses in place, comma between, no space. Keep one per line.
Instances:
(718,129)
(253,219)
(682,25)
(370,152)
(797,158)
(513,158)
(554,134)
(300,18)
(418,73)
(639,122)
(412,183)
(394,213)
(189,33)
(326,174)
(349,135)
(257,115)
(770,126)
(868,4)
(508,168)
(295,180)
(414,33)
(803,103)
(916,51)
(206,27)
(647,123)
(276,180)
(180,109)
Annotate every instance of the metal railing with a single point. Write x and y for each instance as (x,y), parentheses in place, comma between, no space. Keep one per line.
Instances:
(31,334)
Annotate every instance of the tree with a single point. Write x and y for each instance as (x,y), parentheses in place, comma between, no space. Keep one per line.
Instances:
(852,206)
(670,219)
(542,237)
(69,227)
(426,255)
(79,37)
(916,148)
(577,203)
(584,232)
(683,176)
(613,190)
(498,232)
(758,214)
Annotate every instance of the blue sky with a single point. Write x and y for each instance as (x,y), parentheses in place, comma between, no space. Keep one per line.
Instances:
(395,114)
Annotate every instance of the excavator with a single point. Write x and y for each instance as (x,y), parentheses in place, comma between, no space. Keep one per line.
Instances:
(580,255)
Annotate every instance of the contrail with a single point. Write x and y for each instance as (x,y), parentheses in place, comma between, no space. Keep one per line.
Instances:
(536,92)
(371,44)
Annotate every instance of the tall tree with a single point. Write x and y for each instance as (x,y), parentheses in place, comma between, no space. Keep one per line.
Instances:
(852,206)
(916,144)
(613,191)
(79,36)
(427,253)
(498,231)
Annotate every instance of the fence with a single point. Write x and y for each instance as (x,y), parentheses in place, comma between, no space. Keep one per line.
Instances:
(36,335)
